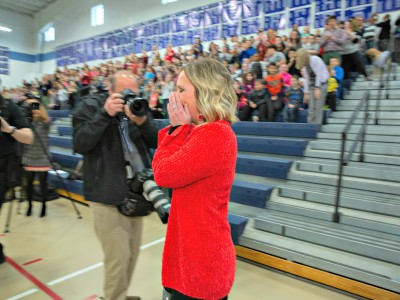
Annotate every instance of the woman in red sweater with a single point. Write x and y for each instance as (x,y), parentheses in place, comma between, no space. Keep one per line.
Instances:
(196,157)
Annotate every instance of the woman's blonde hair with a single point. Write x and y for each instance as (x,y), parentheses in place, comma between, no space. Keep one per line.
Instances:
(302,58)
(216,98)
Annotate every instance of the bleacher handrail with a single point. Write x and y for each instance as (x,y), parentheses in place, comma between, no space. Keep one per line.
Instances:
(360,137)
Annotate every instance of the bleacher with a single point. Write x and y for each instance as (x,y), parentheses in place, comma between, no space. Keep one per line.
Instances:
(285,185)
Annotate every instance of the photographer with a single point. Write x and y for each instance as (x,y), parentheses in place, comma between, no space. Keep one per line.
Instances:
(35,159)
(112,142)
(14,128)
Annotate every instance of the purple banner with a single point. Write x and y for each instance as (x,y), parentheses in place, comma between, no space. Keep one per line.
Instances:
(250,26)
(276,21)
(179,22)
(230,29)
(195,19)
(212,33)
(252,8)
(192,34)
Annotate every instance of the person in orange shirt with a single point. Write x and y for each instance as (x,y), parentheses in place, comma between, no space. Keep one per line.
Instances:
(274,86)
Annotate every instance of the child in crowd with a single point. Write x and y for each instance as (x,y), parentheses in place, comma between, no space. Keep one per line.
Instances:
(274,86)
(154,103)
(334,63)
(257,101)
(149,75)
(286,76)
(242,101)
(248,83)
(332,90)
(295,101)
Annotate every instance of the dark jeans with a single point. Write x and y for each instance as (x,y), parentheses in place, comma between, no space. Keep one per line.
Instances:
(273,106)
(290,114)
(331,100)
(175,295)
(246,112)
(8,176)
(352,63)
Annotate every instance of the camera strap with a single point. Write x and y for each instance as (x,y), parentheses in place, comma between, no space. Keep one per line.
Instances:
(131,152)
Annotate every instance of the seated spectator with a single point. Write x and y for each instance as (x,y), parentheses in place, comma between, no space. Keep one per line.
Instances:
(274,56)
(384,34)
(167,87)
(292,63)
(236,71)
(256,66)
(197,48)
(283,71)
(149,75)
(225,54)
(154,103)
(294,40)
(274,86)
(294,96)
(257,101)
(242,100)
(271,37)
(332,90)
(248,83)
(247,51)
(306,31)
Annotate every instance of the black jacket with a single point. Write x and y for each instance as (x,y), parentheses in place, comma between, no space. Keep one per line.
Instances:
(97,137)
(258,97)
(385,31)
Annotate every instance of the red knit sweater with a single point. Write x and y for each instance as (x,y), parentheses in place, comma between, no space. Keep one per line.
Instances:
(198,163)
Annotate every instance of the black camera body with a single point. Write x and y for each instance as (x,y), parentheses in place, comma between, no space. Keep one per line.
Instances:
(137,105)
(28,109)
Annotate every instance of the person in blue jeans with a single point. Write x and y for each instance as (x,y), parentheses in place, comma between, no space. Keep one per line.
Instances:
(295,101)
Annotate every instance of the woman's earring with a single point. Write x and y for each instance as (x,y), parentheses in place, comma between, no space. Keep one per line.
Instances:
(201,117)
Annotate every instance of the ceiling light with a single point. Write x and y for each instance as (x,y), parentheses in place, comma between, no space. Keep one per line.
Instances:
(2,28)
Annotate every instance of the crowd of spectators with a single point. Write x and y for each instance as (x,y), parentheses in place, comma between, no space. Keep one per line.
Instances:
(263,68)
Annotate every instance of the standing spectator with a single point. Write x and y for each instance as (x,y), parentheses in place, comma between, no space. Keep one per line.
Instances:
(384,34)
(44,86)
(198,48)
(294,96)
(199,261)
(316,84)
(169,53)
(332,40)
(167,87)
(334,63)
(154,103)
(312,46)
(351,59)
(14,129)
(397,41)
(256,67)
(257,102)
(271,37)
(35,159)
(369,34)
(274,88)
(332,90)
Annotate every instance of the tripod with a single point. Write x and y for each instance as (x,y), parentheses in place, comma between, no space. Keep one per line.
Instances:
(61,180)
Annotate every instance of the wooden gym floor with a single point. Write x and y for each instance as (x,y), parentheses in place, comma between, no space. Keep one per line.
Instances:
(59,257)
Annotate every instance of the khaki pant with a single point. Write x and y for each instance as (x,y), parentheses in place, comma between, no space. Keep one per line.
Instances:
(120,239)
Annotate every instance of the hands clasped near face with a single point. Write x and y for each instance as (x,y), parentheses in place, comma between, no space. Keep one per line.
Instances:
(179,114)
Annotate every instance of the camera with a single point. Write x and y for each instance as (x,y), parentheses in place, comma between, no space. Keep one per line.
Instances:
(137,105)
(154,194)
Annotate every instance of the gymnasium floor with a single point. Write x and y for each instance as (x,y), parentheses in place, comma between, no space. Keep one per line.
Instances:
(63,255)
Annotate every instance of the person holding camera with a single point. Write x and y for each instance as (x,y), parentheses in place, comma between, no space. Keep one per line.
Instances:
(14,128)
(196,157)
(36,156)
(114,142)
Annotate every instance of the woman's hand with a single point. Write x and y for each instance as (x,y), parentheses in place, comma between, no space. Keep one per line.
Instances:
(178,114)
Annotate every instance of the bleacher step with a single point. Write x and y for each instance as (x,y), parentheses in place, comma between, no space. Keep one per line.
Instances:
(369,147)
(352,137)
(373,129)
(369,158)
(360,268)
(371,121)
(374,185)
(337,238)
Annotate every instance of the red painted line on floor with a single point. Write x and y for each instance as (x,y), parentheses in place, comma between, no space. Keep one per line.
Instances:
(33,279)
(32,262)
(91,297)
